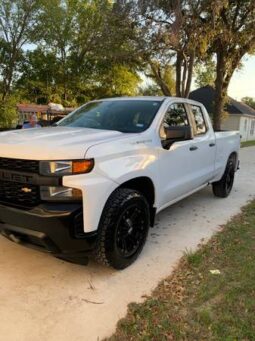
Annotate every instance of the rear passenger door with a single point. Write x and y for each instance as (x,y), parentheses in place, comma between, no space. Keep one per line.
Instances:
(203,148)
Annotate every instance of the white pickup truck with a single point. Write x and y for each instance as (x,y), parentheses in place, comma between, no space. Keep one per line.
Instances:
(92,184)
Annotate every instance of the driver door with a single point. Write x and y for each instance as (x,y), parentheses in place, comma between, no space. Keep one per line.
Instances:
(175,161)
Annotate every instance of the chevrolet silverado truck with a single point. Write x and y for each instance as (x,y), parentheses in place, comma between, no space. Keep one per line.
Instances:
(92,184)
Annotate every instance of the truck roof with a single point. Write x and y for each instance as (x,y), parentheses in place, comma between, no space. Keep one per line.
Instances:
(147,98)
(129,98)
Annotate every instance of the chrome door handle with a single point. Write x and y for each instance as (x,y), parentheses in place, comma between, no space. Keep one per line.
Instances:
(192,148)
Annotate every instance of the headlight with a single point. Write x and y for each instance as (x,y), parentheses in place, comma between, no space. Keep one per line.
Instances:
(59,193)
(66,167)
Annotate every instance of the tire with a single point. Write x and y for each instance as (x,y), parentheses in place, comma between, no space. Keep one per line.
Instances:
(223,187)
(123,229)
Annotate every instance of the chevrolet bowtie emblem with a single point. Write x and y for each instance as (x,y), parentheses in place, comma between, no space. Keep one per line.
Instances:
(26,190)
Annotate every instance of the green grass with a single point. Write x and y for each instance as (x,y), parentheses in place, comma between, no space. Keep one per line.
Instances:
(248,144)
(194,304)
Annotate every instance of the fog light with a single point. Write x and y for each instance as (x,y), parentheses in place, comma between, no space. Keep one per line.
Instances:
(60,193)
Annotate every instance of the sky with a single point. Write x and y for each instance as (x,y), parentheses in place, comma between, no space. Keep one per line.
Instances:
(243,81)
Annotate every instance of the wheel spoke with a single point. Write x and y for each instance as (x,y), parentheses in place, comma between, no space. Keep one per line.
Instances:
(130,231)
(135,214)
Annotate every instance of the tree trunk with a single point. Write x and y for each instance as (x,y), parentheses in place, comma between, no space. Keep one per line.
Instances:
(184,76)
(178,68)
(7,81)
(163,86)
(63,61)
(220,91)
(7,85)
(190,74)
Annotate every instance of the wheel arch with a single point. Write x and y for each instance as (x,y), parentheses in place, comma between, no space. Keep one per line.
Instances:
(144,185)
(235,156)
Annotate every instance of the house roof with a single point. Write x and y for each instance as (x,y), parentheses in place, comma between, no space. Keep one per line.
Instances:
(44,109)
(206,95)
(32,108)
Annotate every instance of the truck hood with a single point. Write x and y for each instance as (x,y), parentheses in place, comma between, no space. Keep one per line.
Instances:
(55,143)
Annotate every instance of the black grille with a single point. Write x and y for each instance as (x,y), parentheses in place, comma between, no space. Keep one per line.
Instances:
(30,166)
(17,193)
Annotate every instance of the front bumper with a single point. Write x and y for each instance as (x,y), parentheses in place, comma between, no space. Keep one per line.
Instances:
(54,228)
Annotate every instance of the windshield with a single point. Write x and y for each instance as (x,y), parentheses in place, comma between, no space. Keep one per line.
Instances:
(129,116)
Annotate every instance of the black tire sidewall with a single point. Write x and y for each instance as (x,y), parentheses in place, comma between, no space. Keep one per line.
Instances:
(108,226)
(219,188)
(230,169)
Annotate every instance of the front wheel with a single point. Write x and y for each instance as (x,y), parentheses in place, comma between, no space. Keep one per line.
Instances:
(123,228)
(223,187)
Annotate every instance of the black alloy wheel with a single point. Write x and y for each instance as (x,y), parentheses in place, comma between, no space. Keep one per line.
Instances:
(123,228)
(223,187)
(130,231)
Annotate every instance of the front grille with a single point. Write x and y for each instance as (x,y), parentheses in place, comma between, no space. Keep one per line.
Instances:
(29,166)
(17,193)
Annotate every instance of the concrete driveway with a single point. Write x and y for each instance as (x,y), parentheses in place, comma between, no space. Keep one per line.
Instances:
(42,298)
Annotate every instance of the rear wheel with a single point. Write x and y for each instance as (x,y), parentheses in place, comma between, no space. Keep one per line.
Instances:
(223,187)
(123,228)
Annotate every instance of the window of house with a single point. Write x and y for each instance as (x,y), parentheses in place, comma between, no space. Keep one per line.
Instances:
(252,127)
(245,125)
(199,120)
(176,116)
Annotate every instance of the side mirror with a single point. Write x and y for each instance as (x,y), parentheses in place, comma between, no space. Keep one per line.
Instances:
(174,134)
(180,133)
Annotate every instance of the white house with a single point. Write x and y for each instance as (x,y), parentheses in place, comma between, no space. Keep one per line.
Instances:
(240,116)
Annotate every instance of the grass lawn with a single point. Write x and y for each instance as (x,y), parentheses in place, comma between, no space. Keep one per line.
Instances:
(247,144)
(195,304)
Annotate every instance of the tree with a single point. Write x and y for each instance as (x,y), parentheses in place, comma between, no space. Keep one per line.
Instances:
(39,76)
(117,81)
(174,29)
(8,112)
(145,51)
(205,73)
(249,101)
(91,50)
(58,25)
(150,90)
(163,76)
(17,23)
(234,37)
(81,50)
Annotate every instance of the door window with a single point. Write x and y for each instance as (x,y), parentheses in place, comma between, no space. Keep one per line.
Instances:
(200,125)
(175,116)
